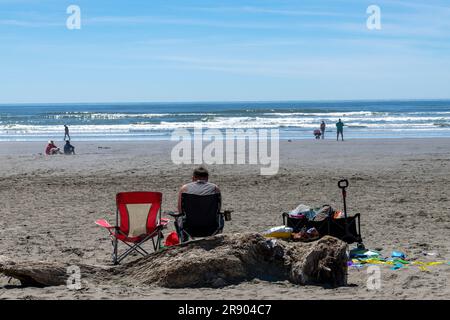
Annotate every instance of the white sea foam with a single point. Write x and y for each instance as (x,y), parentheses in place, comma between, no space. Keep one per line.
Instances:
(220,123)
(139,124)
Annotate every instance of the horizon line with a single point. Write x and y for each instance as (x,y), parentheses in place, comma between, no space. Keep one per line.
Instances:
(224,101)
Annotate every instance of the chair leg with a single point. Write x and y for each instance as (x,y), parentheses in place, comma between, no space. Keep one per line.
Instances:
(114,255)
(185,236)
(154,244)
(157,244)
(136,247)
(158,241)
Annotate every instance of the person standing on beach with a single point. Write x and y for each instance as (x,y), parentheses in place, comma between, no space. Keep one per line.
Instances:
(340,130)
(322,129)
(66,132)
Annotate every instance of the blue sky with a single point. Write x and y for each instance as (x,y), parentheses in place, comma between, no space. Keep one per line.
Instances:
(210,50)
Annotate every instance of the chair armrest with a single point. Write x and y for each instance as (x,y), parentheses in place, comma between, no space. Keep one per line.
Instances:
(164,222)
(174,214)
(104,224)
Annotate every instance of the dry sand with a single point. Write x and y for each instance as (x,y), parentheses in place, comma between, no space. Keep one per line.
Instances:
(400,187)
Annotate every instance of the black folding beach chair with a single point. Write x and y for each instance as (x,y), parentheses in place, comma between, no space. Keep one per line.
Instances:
(200,216)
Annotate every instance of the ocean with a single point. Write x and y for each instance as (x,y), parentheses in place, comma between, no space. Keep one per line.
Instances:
(156,121)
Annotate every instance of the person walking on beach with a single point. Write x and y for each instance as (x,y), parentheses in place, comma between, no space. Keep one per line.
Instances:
(66,132)
(322,129)
(340,130)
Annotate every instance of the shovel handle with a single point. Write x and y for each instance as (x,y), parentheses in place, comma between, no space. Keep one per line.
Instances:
(343,183)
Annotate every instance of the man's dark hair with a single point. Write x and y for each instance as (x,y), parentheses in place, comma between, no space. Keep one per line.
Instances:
(201,172)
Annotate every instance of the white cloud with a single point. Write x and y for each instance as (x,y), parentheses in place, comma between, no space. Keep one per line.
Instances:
(29,23)
(271,11)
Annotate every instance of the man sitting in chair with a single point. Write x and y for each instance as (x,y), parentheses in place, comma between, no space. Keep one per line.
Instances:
(198,187)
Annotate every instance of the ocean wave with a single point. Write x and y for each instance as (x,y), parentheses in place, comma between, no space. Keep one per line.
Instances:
(103,116)
(442,125)
(137,122)
(215,123)
(325,114)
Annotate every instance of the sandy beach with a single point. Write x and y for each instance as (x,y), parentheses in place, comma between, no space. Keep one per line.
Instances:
(400,187)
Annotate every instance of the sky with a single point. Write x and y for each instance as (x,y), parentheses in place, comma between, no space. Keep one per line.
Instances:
(214,50)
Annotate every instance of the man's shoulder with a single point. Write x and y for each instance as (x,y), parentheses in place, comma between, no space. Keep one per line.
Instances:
(212,184)
(184,187)
(216,187)
(195,186)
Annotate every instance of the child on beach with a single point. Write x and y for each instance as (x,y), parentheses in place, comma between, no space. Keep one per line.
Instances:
(317,134)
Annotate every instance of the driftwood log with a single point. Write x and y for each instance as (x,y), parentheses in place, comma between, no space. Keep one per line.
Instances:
(211,262)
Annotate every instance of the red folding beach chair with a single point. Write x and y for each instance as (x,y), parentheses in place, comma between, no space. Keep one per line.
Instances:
(138,219)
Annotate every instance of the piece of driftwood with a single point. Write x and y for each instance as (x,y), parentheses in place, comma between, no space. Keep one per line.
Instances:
(211,262)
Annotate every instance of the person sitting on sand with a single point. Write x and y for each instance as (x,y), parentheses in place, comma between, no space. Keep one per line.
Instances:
(68,148)
(52,148)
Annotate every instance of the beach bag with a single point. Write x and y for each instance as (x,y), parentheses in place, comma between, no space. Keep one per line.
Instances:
(296,222)
(297,218)
(323,213)
(304,210)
